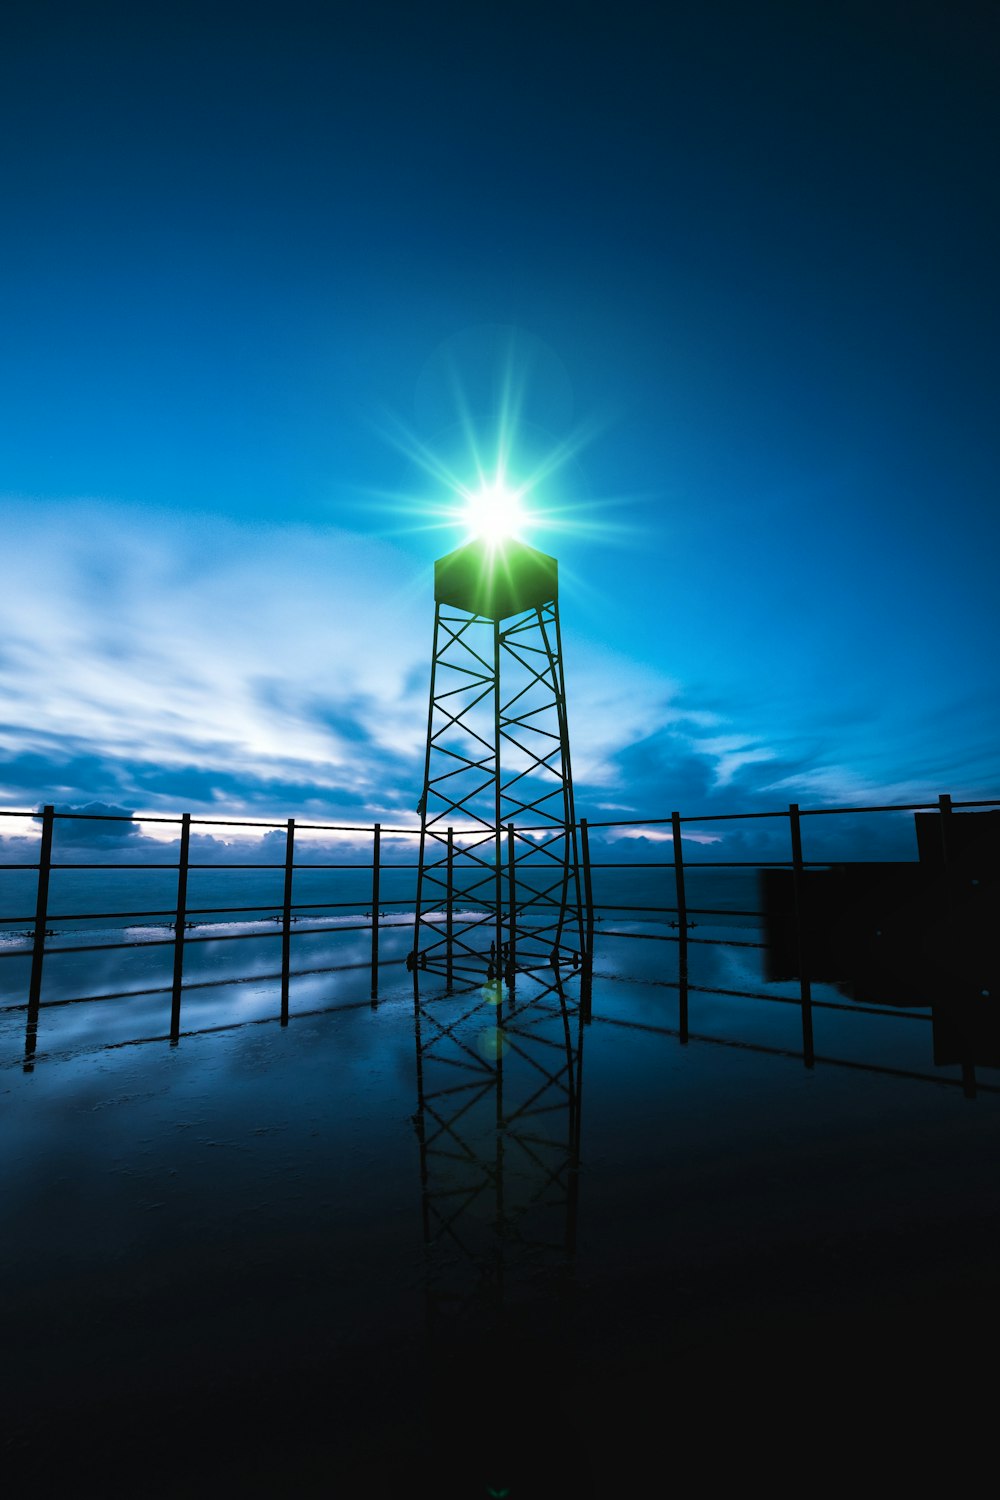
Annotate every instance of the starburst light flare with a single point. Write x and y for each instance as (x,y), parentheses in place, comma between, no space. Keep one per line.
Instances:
(494,472)
(495,512)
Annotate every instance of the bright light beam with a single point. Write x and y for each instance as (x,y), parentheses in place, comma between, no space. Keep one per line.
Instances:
(494,511)
(473,473)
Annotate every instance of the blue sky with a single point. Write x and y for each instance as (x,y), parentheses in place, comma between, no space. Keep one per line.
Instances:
(737,263)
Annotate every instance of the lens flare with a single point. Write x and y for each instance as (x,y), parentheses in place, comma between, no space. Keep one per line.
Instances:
(492,1043)
(492,472)
(495,511)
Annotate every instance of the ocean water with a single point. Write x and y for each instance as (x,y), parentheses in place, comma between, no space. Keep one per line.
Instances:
(353,1255)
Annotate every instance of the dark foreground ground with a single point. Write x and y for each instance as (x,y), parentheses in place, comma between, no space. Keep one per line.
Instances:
(215,1280)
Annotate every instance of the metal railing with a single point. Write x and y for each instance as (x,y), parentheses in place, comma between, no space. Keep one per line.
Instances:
(178,918)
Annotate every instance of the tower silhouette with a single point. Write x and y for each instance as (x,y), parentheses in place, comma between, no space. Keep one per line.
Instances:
(498,888)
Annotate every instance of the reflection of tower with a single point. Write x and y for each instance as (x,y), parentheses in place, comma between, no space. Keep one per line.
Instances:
(498,1119)
(498,888)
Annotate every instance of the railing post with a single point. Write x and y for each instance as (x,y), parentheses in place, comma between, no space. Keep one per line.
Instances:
(588,889)
(38,945)
(586,987)
(376,863)
(946,814)
(512,903)
(805,982)
(180,917)
(449,910)
(945,809)
(680,896)
(286,919)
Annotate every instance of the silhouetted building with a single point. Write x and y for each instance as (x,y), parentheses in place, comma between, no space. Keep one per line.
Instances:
(903,933)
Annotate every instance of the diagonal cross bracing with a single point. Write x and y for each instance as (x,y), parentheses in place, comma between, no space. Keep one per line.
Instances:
(497,762)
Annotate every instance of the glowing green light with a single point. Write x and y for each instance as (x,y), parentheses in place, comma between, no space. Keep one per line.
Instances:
(495,511)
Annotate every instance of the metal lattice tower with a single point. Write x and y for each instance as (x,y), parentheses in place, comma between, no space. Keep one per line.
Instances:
(498,888)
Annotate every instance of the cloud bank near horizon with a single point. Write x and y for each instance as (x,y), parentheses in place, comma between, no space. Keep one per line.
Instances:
(163,662)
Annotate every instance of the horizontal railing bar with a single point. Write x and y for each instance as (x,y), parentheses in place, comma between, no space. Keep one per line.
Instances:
(141,865)
(205,911)
(631,864)
(222,937)
(541,862)
(783,813)
(414,831)
(228,864)
(734,864)
(754,864)
(141,818)
(934,806)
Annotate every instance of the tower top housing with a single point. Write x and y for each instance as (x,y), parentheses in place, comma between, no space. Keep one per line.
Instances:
(496,579)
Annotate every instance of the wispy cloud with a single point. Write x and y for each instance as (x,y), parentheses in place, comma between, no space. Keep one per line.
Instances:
(268,655)
(661,836)
(729,753)
(840,786)
(159,661)
(163,661)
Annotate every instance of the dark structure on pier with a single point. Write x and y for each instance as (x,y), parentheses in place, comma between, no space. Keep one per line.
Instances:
(904,933)
(499,888)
